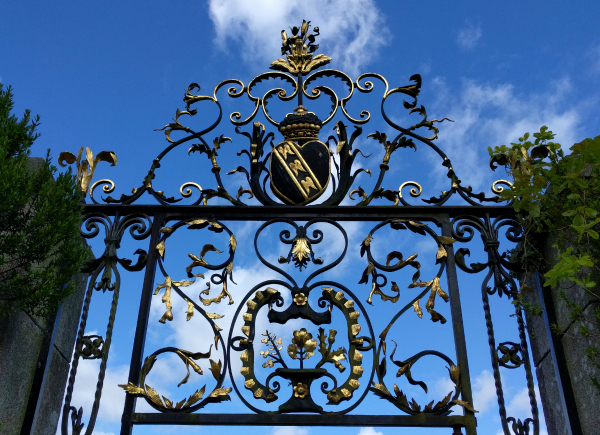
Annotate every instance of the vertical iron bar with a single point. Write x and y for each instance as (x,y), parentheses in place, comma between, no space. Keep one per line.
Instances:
(559,362)
(142,323)
(458,328)
(300,89)
(39,377)
(528,374)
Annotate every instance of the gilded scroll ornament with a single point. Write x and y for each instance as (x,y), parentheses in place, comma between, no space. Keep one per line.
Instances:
(190,404)
(85,168)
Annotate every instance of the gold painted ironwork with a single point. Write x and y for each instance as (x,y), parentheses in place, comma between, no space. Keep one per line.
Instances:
(165,404)
(300,390)
(299,50)
(85,168)
(168,315)
(299,69)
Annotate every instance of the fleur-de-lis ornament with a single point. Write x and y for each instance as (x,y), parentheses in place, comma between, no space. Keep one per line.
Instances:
(87,167)
(299,51)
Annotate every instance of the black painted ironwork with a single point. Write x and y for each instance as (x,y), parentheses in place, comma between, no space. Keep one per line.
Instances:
(317,363)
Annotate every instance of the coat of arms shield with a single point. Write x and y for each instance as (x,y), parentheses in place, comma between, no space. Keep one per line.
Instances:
(300,166)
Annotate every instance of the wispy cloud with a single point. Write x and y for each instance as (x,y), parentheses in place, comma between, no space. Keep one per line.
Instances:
(484,391)
(352,31)
(368,431)
(495,114)
(289,430)
(594,56)
(468,37)
(113,397)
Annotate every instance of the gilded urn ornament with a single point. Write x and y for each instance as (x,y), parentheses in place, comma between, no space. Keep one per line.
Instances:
(300,165)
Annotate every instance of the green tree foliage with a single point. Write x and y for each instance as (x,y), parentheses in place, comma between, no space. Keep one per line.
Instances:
(558,196)
(40,216)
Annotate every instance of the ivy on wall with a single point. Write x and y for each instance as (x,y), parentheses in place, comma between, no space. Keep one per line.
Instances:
(557,198)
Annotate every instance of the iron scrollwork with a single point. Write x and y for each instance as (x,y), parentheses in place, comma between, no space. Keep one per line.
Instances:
(281,372)
(104,276)
(302,346)
(499,270)
(378,281)
(300,168)
(219,393)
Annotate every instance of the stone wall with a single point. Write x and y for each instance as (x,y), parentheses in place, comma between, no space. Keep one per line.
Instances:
(21,338)
(579,369)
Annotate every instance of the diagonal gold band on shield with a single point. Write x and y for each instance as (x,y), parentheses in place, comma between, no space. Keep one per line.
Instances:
(310,172)
(289,171)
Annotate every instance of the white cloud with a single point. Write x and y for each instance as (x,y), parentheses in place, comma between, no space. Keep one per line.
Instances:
(289,430)
(369,431)
(484,391)
(443,386)
(468,36)
(352,31)
(519,406)
(495,114)
(113,397)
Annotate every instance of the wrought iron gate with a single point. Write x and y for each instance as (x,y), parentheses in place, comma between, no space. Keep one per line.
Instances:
(316,374)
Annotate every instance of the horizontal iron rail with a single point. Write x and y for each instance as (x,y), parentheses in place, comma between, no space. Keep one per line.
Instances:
(267,419)
(346,213)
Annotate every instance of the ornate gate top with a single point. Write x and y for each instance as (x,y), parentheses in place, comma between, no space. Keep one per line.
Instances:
(299,167)
(290,320)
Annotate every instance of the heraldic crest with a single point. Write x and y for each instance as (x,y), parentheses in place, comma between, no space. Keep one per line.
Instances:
(300,165)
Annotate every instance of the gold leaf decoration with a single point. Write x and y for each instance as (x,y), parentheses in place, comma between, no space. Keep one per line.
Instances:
(418,309)
(190,310)
(376,290)
(301,252)
(299,50)
(200,261)
(464,404)
(442,402)
(365,276)
(329,356)
(131,388)
(203,223)
(215,368)
(454,373)
(161,249)
(194,398)
(445,240)
(217,299)
(167,298)
(220,392)
(441,253)
(153,395)
(85,169)
(381,390)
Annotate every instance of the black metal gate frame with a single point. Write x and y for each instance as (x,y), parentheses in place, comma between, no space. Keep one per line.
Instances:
(452,220)
(297,170)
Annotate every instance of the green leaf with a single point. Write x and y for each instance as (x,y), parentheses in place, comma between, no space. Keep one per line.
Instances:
(534,209)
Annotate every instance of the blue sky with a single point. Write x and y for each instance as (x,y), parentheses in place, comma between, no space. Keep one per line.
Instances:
(106,74)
